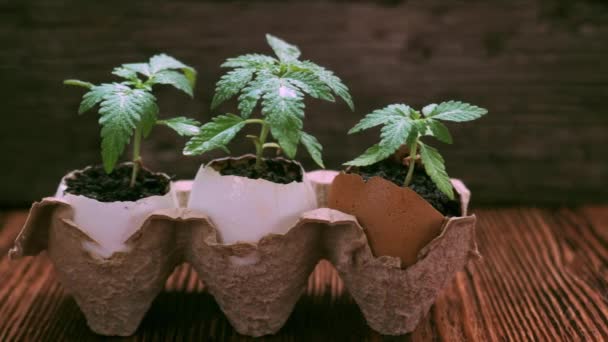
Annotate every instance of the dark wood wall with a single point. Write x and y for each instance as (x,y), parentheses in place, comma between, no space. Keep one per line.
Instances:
(540,67)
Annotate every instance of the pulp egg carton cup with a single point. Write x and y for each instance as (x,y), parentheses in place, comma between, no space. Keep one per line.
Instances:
(255,284)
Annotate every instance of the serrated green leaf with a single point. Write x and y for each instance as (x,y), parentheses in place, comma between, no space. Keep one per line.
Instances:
(381,116)
(126,73)
(174,79)
(398,129)
(285,51)
(250,61)
(94,96)
(439,131)
(230,84)
(434,166)
(215,134)
(309,83)
(186,127)
(313,147)
(142,68)
(428,109)
(114,140)
(281,98)
(190,74)
(124,104)
(395,133)
(121,112)
(263,82)
(162,62)
(286,130)
(457,111)
(283,107)
(371,156)
(332,81)
(250,96)
(149,117)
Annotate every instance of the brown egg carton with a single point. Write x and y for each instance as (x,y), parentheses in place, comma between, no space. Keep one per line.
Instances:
(114,294)
(255,285)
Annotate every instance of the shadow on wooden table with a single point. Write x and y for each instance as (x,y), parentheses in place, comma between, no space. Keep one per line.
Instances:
(185,311)
(196,316)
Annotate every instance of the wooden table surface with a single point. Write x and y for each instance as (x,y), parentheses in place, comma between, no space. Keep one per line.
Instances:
(543,276)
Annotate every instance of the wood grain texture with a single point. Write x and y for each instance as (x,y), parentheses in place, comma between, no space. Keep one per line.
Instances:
(543,277)
(538,66)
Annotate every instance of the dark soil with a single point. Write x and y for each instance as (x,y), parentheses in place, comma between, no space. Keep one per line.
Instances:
(276,170)
(94,182)
(421,184)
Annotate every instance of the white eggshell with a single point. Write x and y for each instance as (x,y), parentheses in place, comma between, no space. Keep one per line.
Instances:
(244,209)
(182,191)
(321,181)
(110,224)
(465,195)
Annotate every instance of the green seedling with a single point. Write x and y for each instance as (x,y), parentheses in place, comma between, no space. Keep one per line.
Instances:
(404,125)
(279,84)
(129,108)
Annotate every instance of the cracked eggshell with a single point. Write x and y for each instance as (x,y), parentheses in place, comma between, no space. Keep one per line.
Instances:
(396,220)
(110,224)
(244,209)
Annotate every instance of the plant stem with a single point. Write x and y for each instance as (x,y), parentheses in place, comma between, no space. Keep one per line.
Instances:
(410,170)
(258,121)
(259,147)
(259,141)
(136,156)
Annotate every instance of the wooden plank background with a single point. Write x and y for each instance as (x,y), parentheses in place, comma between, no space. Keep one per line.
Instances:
(543,277)
(539,66)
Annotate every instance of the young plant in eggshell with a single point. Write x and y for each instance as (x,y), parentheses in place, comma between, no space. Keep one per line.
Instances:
(402,202)
(270,194)
(111,201)
(403,125)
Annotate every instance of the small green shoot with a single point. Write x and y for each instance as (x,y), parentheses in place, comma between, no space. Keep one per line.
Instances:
(404,125)
(129,108)
(279,85)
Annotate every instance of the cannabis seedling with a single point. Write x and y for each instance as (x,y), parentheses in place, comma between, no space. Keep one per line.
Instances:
(279,85)
(129,108)
(404,125)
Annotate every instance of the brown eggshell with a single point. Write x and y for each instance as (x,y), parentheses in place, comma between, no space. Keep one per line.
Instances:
(397,221)
(114,294)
